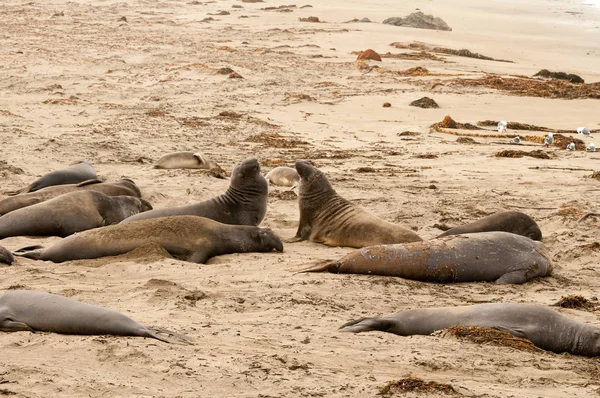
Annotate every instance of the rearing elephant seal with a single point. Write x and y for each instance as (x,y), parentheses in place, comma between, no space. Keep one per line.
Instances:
(486,256)
(283,176)
(508,221)
(326,217)
(190,238)
(545,328)
(125,187)
(185,160)
(75,173)
(6,257)
(70,213)
(244,202)
(25,310)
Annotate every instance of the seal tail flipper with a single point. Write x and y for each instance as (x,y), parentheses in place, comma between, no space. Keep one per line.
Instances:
(367,325)
(294,239)
(317,266)
(19,191)
(89,182)
(172,337)
(32,252)
(515,277)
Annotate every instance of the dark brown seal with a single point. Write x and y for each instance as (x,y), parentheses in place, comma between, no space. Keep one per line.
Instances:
(70,213)
(124,187)
(545,328)
(508,221)
(6,256)
(486,256)
(244,202)
(74,174)
(326,217)
(25,310)
(190,238)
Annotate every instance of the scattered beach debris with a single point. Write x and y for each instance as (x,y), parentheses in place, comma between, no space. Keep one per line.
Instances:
(386,105)
(560,75)
(234,75)
(481,335)
(424,102)
(463,52)
(502,126)
(449,123)
(369,54)
(309,19)
(595,175)
(466,140)
(415,384)
(419,20)
(574,301)
(275,140)
(363,20)
(511,153)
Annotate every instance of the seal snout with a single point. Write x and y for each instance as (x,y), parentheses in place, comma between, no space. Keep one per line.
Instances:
(270,240)
(304,168)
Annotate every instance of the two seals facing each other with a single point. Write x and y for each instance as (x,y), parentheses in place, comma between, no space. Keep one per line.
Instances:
(545,328)
(326,217)
(74,174)
(190,238)
(70,213)
(486,256)
(25,310)
(244,202)
(123,187)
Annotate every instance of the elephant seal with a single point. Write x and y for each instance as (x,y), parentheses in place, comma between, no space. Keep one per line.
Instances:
(6,256)
(244,202)
(486,256)
(326,217)
(283,176)
(185,160)
(189,238)
(27,310)
(70,213)
(545,328)
(508,221)
(75,173)
(124,187)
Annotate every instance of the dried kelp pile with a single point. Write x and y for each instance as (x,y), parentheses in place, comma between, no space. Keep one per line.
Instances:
(575,302)
(449,51)
(512,153)
(416,384)
(560,75)
(480,335)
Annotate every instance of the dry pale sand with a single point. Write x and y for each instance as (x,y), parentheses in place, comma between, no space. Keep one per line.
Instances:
(78,82)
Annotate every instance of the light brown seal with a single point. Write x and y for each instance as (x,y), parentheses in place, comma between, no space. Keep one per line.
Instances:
(189,238)
(125,187)
(514,222)
(283,176)
(6,256)
(326,217)
(545,328)
(244,202)
(70,213)
(26,310)
(74,174)
(185,160)
(499,257)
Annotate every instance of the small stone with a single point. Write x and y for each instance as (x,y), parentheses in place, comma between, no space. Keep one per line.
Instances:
(235,75)
(122,19)
(448,123)
(310,19)
(369,54)
(425,102)
(387,105)
(225,71)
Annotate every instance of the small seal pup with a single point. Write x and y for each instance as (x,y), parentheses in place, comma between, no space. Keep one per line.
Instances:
(545,328)
(27,310)
(77,172)
(283,176)
(70,213)
(326,217)
(185,160)
(486,256)
(244,202)
(6,256)
(190,238)
(508,221)
(125,187)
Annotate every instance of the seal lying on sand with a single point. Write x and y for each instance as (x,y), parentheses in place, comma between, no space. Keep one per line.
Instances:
(283,176)
(190,238)
(486,256)
(244,202)
(70,213)
(545,328)
(6,256)
(508,221)
(75,173)
(185,160)
(326,217)
(125,187)
(25,310)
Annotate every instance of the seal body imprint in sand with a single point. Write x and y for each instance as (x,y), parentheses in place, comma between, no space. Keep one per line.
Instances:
(24,310)
(545,328)
(487,256)
(74,174)
(190,238)
(508,221)
(244,202)
(125,187)
(283,176)
(326,217)
(70,213)
(185,160)
(6,256)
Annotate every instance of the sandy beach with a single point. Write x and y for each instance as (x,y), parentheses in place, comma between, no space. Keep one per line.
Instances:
(121,84)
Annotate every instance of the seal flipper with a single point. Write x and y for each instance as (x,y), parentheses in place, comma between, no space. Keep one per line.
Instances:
(514,332)
(200,256)
(514,277)
(173,337)
(33,252)
(12,325)
(89,182)
(319,266)
(367,325)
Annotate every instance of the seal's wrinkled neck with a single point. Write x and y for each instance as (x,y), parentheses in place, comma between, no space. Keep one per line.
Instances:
(586,340)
